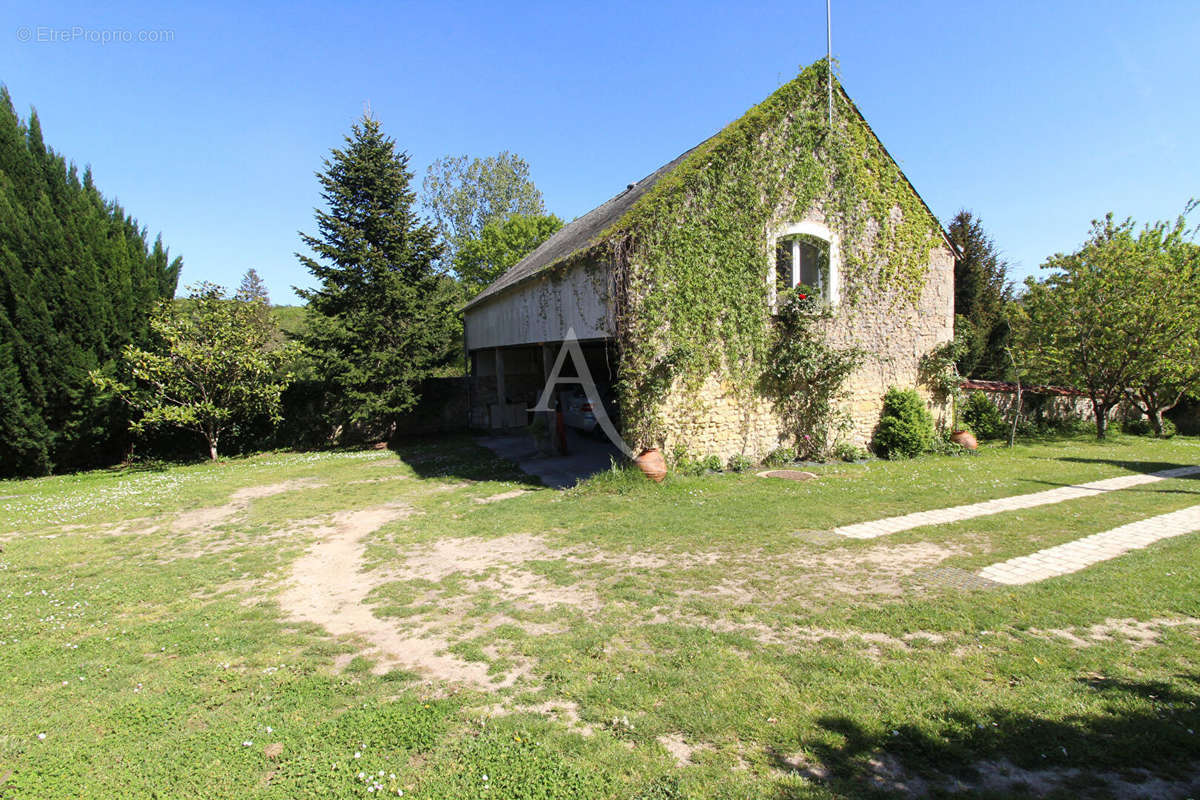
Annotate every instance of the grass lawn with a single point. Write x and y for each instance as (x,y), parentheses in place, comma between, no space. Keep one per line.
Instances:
(425,621)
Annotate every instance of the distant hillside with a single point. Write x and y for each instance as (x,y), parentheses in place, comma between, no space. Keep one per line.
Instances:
(292,320)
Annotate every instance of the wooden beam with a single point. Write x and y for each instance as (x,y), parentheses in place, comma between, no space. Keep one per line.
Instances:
(501,392)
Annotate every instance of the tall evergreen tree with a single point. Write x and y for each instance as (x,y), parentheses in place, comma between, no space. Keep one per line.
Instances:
(382,316)
(981,291)
(77,284)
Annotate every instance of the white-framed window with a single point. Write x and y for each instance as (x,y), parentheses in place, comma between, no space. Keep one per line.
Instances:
(804,254)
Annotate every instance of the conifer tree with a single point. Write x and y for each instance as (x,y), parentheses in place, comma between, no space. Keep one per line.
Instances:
(78,281)
(981,292)
(381,317)
(253,287)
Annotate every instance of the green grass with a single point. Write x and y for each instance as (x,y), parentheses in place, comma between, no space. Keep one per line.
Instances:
(709,611)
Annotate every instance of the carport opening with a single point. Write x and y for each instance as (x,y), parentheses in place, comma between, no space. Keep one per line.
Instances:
(506,382)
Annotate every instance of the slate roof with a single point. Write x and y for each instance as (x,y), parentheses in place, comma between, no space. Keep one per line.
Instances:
(580,234)
(577,235)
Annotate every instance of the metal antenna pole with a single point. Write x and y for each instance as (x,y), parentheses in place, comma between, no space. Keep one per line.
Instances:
(829,57)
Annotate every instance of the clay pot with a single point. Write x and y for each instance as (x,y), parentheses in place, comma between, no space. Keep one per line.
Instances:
(965,440)
(652,464)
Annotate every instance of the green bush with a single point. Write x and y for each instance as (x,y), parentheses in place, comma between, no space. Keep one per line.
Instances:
(906,427)
(849,452)
(944,447)
(980,415)
(740,463)
(780,456)
(683,463)
(1141,427)
(1136,427)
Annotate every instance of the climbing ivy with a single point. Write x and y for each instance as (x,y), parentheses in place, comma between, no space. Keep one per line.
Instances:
(805,375)
(689,259)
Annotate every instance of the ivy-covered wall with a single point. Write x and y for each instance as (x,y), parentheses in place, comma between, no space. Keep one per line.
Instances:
(690,261)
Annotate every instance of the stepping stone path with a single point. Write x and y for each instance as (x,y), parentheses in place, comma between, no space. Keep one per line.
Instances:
(1074,556)
(943,516)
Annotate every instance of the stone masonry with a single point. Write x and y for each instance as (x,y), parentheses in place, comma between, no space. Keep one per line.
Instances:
(894,335)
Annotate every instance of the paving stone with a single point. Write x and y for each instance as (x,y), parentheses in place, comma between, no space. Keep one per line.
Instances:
(1073,556)
(883,527)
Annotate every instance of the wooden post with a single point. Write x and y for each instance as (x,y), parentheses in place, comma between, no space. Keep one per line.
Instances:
(551,416)
(547,366)
(501,399)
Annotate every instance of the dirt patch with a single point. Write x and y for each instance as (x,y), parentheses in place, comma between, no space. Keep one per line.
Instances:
(680,750)
(887,773)
(445,557)
(564,711)
(875,570)
(328,588)
(496,498)
(1004,777)
(491,565)
(873,643)
(1138,634)
(635,559)
(788,474)
(205,519)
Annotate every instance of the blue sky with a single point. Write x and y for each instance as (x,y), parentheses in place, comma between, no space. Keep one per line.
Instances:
(1037,116)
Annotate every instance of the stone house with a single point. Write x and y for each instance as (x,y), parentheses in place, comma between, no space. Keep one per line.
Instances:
(671,286)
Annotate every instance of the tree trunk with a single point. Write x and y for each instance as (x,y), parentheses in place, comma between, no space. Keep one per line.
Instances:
(1101,411)
(212,450)
(1151,403)
(1012,433)
(1156,418)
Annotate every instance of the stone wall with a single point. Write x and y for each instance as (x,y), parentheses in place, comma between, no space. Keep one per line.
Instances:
(894,334)
(1041,404)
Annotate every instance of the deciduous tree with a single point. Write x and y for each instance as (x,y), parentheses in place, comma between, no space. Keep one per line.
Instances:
(211,367)
(499,246)
(466,195)
(1168,363)
(1119,314)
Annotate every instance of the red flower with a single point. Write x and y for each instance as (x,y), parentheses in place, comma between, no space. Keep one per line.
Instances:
(802,296)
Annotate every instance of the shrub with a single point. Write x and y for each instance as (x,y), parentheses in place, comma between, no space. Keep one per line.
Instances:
(780,456)
(906,427)
(944,447)
(740,463)
(1068,426)
(849,452)
(683,463)
(1136,427)
(712,463)
(1141,427)
(982,418)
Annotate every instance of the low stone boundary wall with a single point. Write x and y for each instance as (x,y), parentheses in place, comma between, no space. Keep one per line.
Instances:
(1048,403)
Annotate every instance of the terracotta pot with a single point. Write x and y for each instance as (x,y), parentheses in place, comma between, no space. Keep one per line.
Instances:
(964,439)
(652,464)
